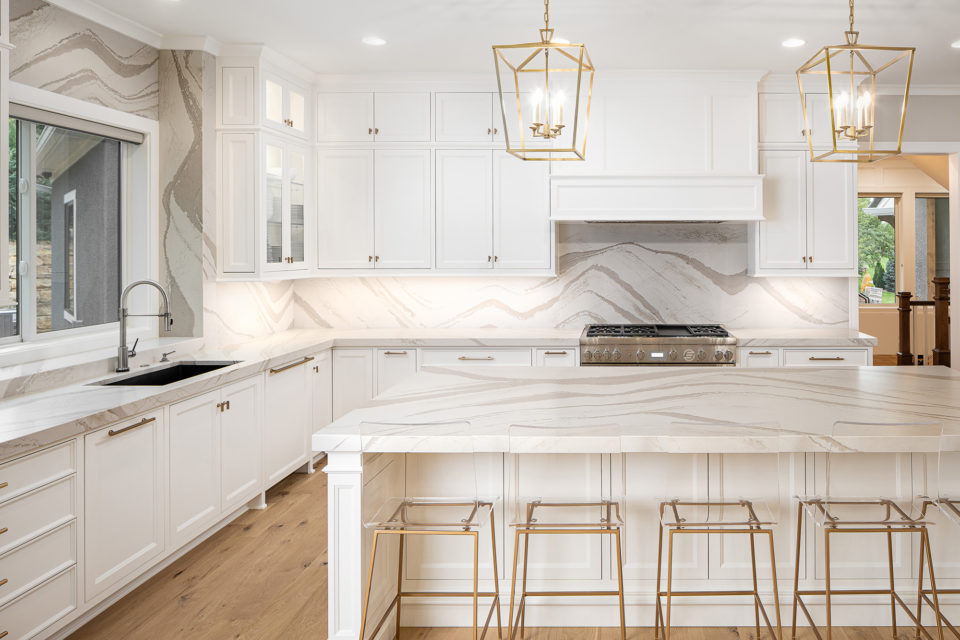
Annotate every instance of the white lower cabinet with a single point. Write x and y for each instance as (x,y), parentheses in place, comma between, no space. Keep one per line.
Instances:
(556,357)
(497,357)
(393,366)
(353,379)
(286,402)
(123,500)
(766,357)
(194,478)
(239,427)
(27,616)
(321,386)
(758,358)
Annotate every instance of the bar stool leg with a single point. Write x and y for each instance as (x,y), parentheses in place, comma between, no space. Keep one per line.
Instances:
(496,575)
(623,617)
(796,571)
(893,597)
(366,597)
(920,588)
(513,582)
(523,596)
(756,588)
(776,590)
(658,613)
(399,583)
(826,554)
(925,543)
(666,630)
(476,571)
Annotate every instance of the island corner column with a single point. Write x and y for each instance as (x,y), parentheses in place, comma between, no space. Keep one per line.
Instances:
(344,544)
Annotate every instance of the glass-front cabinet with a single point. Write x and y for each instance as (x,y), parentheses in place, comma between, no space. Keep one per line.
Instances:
(284,105)
(284,207)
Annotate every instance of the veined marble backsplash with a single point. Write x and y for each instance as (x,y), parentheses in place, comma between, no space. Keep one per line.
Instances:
(59,51)
(608,273)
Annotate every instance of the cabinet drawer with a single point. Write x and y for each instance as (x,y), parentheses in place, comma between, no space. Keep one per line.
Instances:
(824,357)
(37,469)
(559,357)
(470,357)
(38,609)
(38,560)
(759,357)
(33,513)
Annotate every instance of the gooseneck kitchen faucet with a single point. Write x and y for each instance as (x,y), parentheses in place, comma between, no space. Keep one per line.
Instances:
(123,354)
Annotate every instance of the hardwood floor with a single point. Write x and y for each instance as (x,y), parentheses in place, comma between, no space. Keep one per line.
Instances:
(264,577)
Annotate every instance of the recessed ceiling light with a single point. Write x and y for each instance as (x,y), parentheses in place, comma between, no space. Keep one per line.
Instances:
(955,44)
(374,41)
(793,42)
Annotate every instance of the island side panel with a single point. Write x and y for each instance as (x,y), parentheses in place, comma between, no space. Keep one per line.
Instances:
(344,544)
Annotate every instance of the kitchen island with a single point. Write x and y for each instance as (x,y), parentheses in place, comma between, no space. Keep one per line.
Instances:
(646,404)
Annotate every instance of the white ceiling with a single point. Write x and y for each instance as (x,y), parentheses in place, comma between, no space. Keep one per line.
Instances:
(455,35)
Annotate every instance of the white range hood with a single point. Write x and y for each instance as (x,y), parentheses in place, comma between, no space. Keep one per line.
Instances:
(632,198)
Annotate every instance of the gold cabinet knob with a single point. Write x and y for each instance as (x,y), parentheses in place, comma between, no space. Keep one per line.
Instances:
(370,131)
(489,258)
(376,131)
(369,258)
(376,258)
(495,131)
(488,130)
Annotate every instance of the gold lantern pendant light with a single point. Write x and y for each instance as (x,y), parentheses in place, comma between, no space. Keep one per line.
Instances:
(545,90)
(848,76)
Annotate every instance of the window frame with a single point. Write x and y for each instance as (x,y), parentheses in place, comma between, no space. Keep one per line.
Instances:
(139,210)
(70,197)
(898,217)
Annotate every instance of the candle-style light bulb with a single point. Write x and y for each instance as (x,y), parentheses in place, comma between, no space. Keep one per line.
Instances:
(840,109)
(866,99)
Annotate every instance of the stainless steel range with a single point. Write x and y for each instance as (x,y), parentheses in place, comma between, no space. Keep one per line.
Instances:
(654,344)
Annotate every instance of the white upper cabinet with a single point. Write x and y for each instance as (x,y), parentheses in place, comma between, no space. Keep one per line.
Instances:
(468,117)
(810,217)
(464,209)
(284,105)
(403,205)
(237,202)
(286,202)
(345,211)
(781,119)
(401,117)
(238,96)
(522,236)
(345,117)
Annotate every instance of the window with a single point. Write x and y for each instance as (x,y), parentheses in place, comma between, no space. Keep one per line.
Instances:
(64,247)
(877,264)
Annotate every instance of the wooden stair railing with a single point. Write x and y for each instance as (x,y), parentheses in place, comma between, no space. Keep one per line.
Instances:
(941,305)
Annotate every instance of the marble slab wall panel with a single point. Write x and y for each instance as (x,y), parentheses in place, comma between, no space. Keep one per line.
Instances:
(56,50)
(236,312)
(608,273)
(186,168)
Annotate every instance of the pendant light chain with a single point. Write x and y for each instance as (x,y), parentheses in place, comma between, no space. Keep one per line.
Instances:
(546,13)
(851,15)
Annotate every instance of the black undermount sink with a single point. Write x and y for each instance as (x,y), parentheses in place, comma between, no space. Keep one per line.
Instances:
(168,374)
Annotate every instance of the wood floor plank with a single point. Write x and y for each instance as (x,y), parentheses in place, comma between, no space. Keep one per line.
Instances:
(264,577)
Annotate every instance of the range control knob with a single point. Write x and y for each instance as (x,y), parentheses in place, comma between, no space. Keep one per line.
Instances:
(606,354)
(640,355)
(728,354)
(616,354)
(718,356)
(673,354)
(701,354)
(688,355)
(587,354)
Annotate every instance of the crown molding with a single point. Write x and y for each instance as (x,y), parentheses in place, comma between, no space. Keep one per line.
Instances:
(193,43)
(96,13)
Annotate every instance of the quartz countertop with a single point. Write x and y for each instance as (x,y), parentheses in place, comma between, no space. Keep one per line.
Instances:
(651,408)
(802,338)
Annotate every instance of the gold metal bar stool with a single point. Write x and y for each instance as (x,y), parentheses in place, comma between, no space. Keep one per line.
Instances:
(836,512)
(749,517)
(555,515)
(947,503)
(423,517)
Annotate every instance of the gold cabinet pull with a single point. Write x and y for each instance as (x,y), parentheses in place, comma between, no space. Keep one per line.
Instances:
(3,634)
(554,353)
(4,530)
(833,358)
(394,353)
(220,407)
(116,432)
(227,404)
(291,365)
(469,358)
(316,369)
(4,485)
(3,582)
(761,353)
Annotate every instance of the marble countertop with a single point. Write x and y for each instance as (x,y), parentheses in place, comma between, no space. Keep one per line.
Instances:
(653,409)
(802,338)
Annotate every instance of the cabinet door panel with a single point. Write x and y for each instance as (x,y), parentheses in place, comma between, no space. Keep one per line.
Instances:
(297,216)
(123,501)
(403,206)
(393,366)
(194,478)
(273,111)
(832,219)
(297,110)
(402,117)
(345,214)
(238,202)
(237,96)
(464,210)
(557,357)
(345,117)
(521,213)
(783,232)
(464,117)
(240,436)
(353,383)
(759,358)
(285,423)
(322,390)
